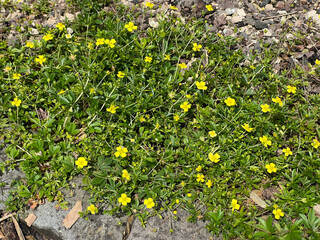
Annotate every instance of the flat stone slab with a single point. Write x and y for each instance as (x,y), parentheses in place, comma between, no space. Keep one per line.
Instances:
(159,229)
(98,227)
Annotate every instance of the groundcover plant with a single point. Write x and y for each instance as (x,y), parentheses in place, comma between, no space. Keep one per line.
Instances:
(158,119)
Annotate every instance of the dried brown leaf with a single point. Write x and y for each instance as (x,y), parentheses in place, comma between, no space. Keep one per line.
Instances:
(255,196)
(128,227)
(42,114)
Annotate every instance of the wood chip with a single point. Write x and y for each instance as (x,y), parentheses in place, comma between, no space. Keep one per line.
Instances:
(254,195)
(316,208)
(30,219)
(73,215)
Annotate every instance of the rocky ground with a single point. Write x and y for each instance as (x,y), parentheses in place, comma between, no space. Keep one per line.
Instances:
(292,26)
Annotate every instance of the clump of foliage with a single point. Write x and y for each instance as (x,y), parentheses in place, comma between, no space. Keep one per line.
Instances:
(158,119)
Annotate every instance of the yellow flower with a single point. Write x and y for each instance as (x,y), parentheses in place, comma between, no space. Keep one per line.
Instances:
(317,62)
(277,213)
(148,59)
(112,108)
(277,100)
(230,102)
(16,102)
(92,90)
(182,65)
(16,76)
(124,199)
(174,212)
(201,85)
(81,162)
(264,140)
(7,69)
(185,106)
(61,26)
(183,183)
(265,108)
(247,127)
(235,205)
(121,151)
(100,41)
(40,59)
(61,92)
(315,143)
(130,26)
(214,158)
(167,57)
(199,168)
(149,5)
(189,195)
(93,209)
(48,37)
(188,96)
(90,45)
(30,44)
(177,201)
(176,118)
(142,119)
(291,89)
(287,151)
(149,203)
(111,42)
(173,8)
(209,183)
(121,74)
(196,47)
(271,168)
(126,175)
(209,7)
(212,133)
(200,177)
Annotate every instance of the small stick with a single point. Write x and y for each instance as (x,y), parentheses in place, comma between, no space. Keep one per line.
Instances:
(5,217)
(281,15)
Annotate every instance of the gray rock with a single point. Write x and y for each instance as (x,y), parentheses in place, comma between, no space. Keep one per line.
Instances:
(264,3)
(280,5)
(34,31)
(230,11)
(236,19)
(98,227)
(69,16)
(50,22)
(220,20)
(7,178)
(227,32)
(259,25)
(159,229)
(269,7)
(249,20)
(12,39)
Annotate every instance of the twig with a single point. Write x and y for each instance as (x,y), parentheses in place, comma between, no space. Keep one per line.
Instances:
(24,150)
(8,216)
(281,15)
(18,229)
